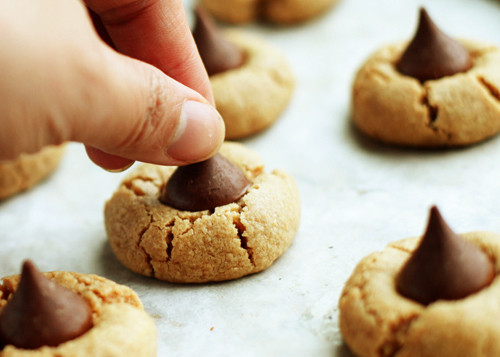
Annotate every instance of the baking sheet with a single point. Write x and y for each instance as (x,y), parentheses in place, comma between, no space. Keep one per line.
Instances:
(356,196)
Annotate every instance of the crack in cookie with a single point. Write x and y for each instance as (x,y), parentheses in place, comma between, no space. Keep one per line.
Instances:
(432,110)
(396,338)
(495,93)
(141,237)
(240,228)
(170,245)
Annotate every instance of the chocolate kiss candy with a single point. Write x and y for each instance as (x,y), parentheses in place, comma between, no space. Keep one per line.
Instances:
(432,54)
(205,185)
(42,313)
(444,266)
(217,53)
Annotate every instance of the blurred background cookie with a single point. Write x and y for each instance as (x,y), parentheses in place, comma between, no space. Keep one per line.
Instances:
(69,314)
(28,169)
(283,12)
(431,92)
(431,296)
(251,80)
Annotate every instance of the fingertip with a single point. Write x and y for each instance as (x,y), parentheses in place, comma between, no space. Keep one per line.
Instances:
(108,162)
(199,135)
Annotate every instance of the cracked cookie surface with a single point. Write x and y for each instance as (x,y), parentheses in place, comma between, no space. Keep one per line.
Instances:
(28,169)
(375,320)
(234,240)
(121,327)
(457,110)
(252,97)
(284,12)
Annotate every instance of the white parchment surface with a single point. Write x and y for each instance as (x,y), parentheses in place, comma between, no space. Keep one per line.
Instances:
(357,196)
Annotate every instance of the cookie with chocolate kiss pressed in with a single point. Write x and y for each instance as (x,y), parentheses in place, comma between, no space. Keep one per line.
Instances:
(28,169)
(225,240)
(433,91)
(42,313)
(68,314)
(436,295)
(252,81)
(281,12)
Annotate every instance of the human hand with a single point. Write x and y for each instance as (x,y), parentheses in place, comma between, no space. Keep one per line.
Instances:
(61,82)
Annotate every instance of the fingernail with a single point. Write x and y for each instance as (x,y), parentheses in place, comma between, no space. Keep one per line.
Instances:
(199,134)
(120,169)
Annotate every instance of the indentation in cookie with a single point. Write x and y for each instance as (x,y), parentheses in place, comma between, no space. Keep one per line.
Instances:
(140,186)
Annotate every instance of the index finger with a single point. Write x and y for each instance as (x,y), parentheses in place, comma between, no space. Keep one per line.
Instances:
(156,32)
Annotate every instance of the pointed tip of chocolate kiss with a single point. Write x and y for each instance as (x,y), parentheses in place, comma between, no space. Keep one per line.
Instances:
(432,54)
(217,53)
(42,313)
(444,266)
(205,185)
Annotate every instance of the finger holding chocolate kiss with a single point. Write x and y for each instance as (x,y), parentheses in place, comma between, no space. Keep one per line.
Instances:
(432,91)
(205,185)
(166,115)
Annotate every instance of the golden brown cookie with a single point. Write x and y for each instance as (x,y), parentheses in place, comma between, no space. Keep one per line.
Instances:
(252,97)
(234,240)
(455,110)
(283,12)
(376,320)
(27,170)
(121,327)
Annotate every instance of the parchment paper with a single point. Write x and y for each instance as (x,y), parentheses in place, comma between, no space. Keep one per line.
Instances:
(357,196)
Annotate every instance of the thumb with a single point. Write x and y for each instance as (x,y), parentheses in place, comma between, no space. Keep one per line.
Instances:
(139,113)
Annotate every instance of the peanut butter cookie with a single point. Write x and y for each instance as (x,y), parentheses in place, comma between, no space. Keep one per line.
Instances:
(228,242)
(251,80)
(28,169)
(399,97)
(283,12)
(446,307)
(119,325)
